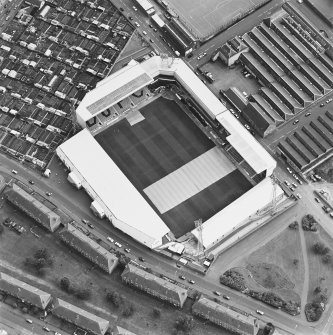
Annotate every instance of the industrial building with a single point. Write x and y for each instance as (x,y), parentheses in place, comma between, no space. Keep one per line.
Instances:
(23,291)
(79,317)
(33,208)
(113,100)
(153,285)
(225,317)
(89,248)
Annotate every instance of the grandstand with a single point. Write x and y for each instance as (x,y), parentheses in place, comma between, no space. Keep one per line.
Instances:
(154,144)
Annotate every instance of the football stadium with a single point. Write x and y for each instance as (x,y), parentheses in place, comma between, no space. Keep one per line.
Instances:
(158,151)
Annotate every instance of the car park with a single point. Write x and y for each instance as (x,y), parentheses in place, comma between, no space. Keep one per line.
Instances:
(259,312)
(14,171)
(217,293)
(31,182)
(226,297)
(296,121)
(118,244)
(182,277)
(110,239)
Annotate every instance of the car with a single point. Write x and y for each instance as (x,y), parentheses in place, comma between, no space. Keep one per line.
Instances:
(296,121)
(121,9)
(28,320)
(31,182)
(299,181)
(287,183)
(118,244)
(48,194)
(46,329)
(317,200)
(295,176)
(14,172)
(331,215)
(294,185)
(322,105)
(130,17)
(137,24)
(85,221)
(110,239)
(204,54)
(308,114)
(298,196)
(226,297)
(292,189)
(141,259)
(191,281)
(155,30)
(289,170)
(135,9)
(91,226)
(324,208)
(144,32)
(217,293)
(247,126)
(259,312)
(57,333)
(182,277)
(150,25)
(127,250)
(151,41)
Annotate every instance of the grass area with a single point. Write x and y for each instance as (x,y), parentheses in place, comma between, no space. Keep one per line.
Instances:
(320,274)
(325,170)
(66,262)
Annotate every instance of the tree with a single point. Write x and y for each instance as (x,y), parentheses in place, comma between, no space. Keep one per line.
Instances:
(184,323)
(327,259)
(83,294)
(156,312)
(65,284)
(42,253)
(317,290)
(128,310)
(115,298)
(295,262)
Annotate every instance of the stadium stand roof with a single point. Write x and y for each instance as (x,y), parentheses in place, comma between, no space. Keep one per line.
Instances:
(246,145)
(24,291)
(231,218)
(153,67)
(235,96)
(88,247)
(154,285)
(124,83)
(132,214)
(34,208)
(79,317)
(222,315)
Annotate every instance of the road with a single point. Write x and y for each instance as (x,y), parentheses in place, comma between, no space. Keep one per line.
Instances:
(13,321)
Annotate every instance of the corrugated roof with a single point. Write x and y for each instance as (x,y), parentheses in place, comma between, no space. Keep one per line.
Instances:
(83,243)
(244,324)
(80,317)
(24,291)
(154,283)
(33,208)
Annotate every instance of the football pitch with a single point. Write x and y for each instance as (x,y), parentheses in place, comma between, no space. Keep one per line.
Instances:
(205,18)
(160,144)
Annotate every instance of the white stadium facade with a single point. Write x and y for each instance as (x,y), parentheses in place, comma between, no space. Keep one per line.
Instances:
(114,196)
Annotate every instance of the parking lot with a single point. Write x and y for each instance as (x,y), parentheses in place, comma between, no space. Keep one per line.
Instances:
(51,56)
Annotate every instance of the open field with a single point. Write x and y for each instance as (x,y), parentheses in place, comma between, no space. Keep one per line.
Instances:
(206,17)
(320,274)
(163,142)
(15,248)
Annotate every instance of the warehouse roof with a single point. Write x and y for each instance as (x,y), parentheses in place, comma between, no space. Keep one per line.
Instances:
(80,241)
(24,291)
(154,283)
(80,317)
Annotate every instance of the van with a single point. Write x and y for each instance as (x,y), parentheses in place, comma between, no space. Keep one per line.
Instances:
(182,261)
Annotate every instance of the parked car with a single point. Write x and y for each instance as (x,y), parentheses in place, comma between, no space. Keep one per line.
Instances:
(182,277)
(289,170)
(308,114)
(46,329)
(85,221)
(322,105)
(91,226)
(226,297)
(48,194)
(137,24)
(317,200)
(14,171)
(296,121)
(298,196)
(127,250)
(259,312)
(191,281)
(141,259)
(217,293)
(130,17)
(118,244)
(28,320)
(135,8)
(31,182)
(110,239)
